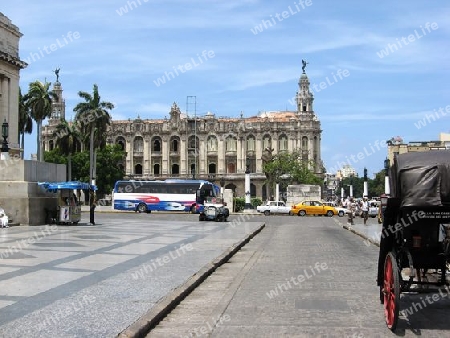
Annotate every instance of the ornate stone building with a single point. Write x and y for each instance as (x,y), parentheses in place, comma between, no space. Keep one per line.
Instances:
(10,66)
(211,147)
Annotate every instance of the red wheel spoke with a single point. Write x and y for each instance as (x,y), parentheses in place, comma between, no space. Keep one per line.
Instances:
(391,291)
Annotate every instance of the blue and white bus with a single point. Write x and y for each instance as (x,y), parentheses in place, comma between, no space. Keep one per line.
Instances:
(168,195)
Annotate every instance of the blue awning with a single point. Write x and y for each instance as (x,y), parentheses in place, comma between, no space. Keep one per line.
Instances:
(54,186)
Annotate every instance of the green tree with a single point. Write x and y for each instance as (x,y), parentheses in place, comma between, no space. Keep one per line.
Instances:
(55,156)
(39,100)
(25,121)
(68,140)
(357,184)
(376,186)
(109,169)
(93,118)
(288,168)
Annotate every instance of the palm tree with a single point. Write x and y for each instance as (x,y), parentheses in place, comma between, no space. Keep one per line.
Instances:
(25,122)
(92,116)
(39,100)
(68,139)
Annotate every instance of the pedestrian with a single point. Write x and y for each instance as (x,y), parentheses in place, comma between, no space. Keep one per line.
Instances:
(4,219)
(351,206)
(365,209)
(92,207)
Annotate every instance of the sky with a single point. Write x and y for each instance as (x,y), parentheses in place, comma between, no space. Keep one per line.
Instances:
(377,69)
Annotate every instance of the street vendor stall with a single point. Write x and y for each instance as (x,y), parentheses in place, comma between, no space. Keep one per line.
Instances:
(68,210)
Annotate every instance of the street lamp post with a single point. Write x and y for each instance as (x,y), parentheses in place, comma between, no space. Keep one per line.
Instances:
(366,188)
(5,147)
(351,186)
(387,165)
(248,205)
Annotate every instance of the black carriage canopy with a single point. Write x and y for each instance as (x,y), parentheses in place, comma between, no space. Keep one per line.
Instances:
(421,179)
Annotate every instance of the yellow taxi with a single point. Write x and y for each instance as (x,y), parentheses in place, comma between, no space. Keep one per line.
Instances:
(313,208)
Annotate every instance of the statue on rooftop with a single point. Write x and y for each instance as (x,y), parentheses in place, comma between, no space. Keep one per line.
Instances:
(57,74)
(304,63)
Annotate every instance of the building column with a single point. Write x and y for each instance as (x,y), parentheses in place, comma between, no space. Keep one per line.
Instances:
(146,165)
(183,160)
(221,155)
(129,161)
(165,156)
(202,158)
(311,145)
(239,156)
(4,99)
(258,154)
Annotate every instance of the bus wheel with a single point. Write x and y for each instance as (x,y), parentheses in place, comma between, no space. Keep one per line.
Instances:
(142,207)
(193,210)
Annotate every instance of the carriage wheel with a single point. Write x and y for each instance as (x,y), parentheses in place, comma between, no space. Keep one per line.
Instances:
(391,291)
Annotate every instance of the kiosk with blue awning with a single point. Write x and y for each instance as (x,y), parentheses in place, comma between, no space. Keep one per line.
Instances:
(69,208)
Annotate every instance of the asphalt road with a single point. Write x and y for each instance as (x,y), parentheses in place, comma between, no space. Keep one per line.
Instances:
(301,277)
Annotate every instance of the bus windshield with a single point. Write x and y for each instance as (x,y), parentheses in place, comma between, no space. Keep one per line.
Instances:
(168,195)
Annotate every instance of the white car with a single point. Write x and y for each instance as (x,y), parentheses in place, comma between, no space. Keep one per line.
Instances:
(341,210)
(373,208)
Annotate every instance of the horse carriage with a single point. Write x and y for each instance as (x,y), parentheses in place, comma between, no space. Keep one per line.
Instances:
(415,237)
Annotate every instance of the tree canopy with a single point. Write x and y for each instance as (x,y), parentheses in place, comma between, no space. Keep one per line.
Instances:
(288,168)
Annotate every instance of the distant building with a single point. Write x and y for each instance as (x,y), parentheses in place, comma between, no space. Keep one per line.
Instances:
(346,171)
(10,66)
(211,147)
(400,148)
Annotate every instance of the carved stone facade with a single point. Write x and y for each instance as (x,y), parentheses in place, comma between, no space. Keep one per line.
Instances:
(214,148)
(10,66)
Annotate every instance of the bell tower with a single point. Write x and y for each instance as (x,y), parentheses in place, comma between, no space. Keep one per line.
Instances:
(304,96)
(58,105)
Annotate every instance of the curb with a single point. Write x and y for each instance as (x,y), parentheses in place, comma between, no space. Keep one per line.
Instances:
(148,321)
(349,228)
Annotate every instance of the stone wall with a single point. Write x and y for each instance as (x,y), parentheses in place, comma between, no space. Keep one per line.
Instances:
(20,196)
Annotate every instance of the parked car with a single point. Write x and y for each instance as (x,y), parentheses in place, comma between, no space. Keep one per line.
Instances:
(341,210)
(273,207)
(313,208)
(373,208)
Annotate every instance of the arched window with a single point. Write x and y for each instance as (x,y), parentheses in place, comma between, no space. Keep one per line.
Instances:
(231,168)
(212,168)
(251,143)
(304,143)
(231,143)
(138,144)
(175,169)
(156,169)
(193,142)
(138,169)
(283,143)
(121,142)
(211,143)
(156,146)
(174,145)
